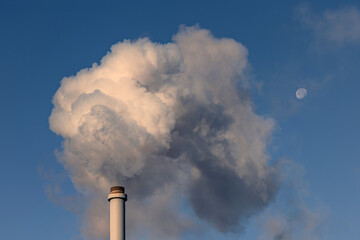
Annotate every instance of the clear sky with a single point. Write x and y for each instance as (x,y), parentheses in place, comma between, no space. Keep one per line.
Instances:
(291,44)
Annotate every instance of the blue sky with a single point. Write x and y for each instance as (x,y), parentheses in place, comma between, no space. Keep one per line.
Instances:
(291,44)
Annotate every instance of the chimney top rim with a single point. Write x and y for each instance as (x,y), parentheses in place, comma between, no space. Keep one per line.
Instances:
(117,189)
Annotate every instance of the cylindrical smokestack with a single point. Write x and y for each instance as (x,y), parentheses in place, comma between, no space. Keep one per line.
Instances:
(117,199)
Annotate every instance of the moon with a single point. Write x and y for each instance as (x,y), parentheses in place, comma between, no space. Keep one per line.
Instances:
(301,93)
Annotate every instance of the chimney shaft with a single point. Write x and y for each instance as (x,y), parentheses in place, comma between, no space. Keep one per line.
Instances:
(117,199)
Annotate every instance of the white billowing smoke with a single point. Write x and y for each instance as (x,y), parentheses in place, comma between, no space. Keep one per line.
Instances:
(172,124)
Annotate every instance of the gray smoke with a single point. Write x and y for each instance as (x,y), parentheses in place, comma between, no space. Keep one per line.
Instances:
(289,217)
(172,123)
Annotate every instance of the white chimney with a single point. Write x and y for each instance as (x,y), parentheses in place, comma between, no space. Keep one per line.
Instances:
(117,199)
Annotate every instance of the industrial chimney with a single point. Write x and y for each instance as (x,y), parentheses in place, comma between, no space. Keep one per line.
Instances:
(117,199)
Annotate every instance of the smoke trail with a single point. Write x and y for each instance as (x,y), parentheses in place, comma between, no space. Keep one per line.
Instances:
(169,122)
(290,217)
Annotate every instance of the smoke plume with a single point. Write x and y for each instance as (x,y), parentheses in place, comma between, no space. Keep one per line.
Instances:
(173,124)
(290,217)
